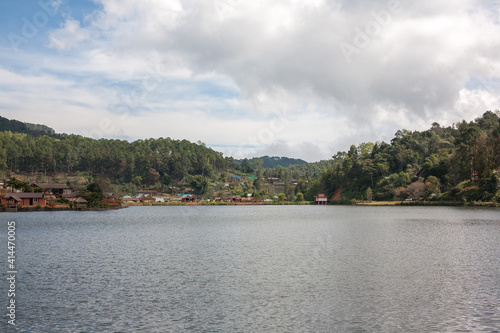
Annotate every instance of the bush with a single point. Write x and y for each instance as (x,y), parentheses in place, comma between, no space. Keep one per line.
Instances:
(496,197)
(471,193)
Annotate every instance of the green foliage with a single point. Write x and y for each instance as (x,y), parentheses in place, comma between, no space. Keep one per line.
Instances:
(458,162)
(199,184)
(300,197)
(444,156)
(369,194)
(432,186)
(152,160)
(95,187)
(28,128)
(17,184)
(270,162)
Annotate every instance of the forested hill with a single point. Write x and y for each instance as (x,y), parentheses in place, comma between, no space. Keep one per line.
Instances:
(274,161)
(460,162)
(28,128)
(145,162)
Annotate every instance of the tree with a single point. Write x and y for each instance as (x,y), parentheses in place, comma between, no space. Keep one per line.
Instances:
(300,197)
(17,184)
(166,179)
(369,194)
(95,187)
(96,193)
(245,166)
(199,184)
(416,190)
(432,186)
(137,180)
(257,164)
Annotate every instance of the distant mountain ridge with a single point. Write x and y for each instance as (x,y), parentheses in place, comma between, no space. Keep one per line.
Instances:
(270,162)
(17,126)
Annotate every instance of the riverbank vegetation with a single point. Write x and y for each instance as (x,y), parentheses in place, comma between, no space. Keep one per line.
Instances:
(458,164)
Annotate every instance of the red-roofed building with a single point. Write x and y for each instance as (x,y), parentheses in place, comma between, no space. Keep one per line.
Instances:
(321,199)
(188,198)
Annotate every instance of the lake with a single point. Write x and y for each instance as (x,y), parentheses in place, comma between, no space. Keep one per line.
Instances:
(257,269)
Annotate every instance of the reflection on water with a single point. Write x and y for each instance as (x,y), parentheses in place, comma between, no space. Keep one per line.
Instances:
(258,269)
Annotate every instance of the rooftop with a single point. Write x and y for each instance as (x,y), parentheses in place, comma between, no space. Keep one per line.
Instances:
(23,195)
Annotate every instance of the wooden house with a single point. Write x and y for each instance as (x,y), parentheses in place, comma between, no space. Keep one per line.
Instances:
(188,198)
(55,189)
(24,199)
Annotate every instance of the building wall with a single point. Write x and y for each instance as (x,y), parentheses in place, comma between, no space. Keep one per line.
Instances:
(26,202)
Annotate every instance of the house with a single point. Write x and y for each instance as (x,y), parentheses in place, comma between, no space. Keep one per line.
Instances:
(146,198)
(71,196)
(55,189)
(128,198)
(176,199)
(75,197)
(80,203)
(188,198)
(321,199)
(232,198)
(24,199)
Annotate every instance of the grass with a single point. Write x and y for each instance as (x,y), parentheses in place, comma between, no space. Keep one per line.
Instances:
(379,203)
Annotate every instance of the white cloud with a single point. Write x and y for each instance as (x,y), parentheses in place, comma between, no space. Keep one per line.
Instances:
(230,67)
(69,35)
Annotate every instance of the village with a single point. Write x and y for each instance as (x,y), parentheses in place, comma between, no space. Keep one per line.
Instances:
(19,195)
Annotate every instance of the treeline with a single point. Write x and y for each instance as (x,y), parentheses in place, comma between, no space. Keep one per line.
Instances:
(145,162)
(271,161)
(28,128)
(460,162)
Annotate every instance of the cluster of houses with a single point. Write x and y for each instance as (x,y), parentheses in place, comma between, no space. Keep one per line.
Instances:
(46,192)
(151,198)
(14,198)
(238,180)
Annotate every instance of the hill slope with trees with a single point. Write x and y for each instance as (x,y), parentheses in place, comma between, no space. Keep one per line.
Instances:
(455,163)
(460,162)
(28,128)
(269,162)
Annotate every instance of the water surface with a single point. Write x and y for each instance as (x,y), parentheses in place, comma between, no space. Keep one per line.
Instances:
(258,269)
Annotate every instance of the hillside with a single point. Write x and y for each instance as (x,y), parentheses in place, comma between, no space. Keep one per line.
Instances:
(455,163)
(27,128)
(269,162)
(459,162)
(142,163)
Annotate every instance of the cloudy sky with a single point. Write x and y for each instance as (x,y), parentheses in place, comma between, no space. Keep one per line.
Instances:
(293,78)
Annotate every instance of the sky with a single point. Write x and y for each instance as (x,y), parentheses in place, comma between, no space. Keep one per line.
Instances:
(302,79)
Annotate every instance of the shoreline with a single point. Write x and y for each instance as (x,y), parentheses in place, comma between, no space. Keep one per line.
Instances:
(285,203)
